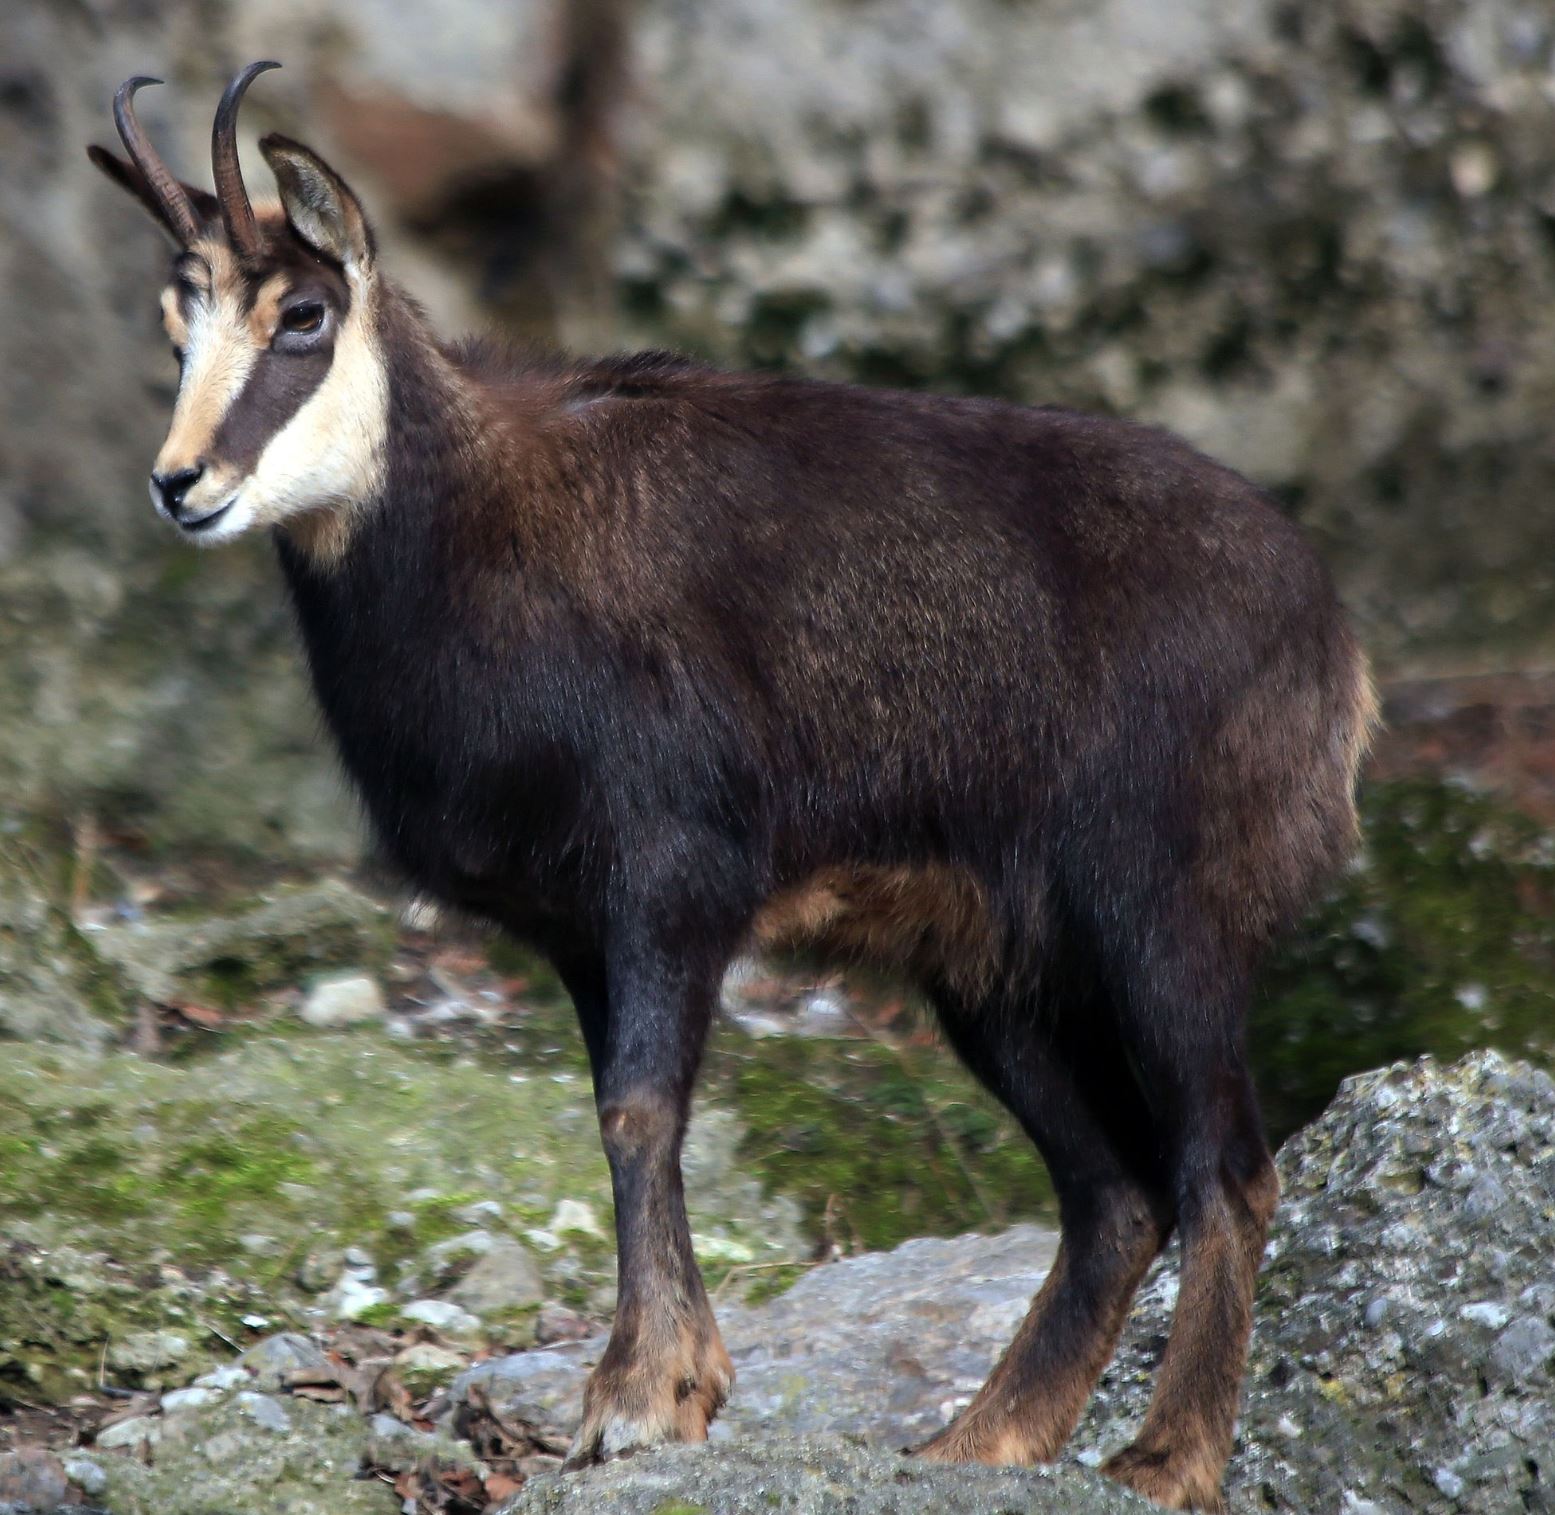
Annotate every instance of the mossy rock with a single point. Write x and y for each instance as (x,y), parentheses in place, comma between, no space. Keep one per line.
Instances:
(52,986)
(233,956)
(218,1461)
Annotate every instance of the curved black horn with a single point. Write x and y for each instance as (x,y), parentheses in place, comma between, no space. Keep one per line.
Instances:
(165,189)
(237,214)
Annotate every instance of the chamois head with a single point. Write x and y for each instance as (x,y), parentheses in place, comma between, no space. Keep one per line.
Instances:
(281,405)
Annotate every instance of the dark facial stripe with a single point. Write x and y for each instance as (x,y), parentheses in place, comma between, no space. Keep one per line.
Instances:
(280,382)
(273,394)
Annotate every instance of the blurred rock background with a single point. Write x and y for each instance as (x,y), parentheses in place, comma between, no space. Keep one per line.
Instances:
(1319,240)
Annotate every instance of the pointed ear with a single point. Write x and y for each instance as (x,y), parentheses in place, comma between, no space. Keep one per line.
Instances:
(319,204)
(128,177)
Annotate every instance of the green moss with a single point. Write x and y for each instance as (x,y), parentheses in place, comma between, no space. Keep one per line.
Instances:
(878,1145)
(1440,939)
(61,1311)
(313,1468)
(385,1316)
(773,1282)
(197,1190)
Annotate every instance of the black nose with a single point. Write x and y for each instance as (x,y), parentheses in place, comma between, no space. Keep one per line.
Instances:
(174,486)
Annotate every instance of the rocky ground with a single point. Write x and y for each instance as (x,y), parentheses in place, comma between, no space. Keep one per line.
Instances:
(1403,1359)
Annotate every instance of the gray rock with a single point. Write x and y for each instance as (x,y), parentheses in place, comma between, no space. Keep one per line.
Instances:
(220,1459)
(293,932)
(135,1431)
(1524,1352)
(883,1346)
(264,1411)
(146,1351)
(424,1366)
(557,1322)
(345,999)
(229,1376)
(543,1387)
(85,1474)
(46,966)
(1374,1206)
(444,1256)
(194,1398)
(273,1360)
(443,1315)
(815,1476)
(352,1297)
(505,1278)
(34,1481)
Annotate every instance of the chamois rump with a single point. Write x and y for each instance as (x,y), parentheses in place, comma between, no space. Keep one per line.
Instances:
(643,661)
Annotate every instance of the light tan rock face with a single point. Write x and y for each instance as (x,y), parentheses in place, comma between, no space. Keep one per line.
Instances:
(1318,240)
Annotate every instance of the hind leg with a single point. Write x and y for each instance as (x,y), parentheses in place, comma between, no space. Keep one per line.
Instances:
(1226,1191)
(1180,985)
(1114,1222)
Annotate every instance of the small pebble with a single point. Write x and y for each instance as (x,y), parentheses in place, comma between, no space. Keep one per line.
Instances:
(575,1215)
(1448,1482)
(265,1412)
(138,1430)
(192,1398)
(442,1315)
(343,1000)
(86,1475)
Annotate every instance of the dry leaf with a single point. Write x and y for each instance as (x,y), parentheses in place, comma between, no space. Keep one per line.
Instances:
(200,1015)
(502,1486)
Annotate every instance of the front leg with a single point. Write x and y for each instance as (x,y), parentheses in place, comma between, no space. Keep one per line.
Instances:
(664,1374)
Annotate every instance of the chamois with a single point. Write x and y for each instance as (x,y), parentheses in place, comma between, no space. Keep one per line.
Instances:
(644,661)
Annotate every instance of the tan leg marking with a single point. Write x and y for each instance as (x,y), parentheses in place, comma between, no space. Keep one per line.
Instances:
(663,1383)
(665,1373)
(1180,1454)
(1034,1397)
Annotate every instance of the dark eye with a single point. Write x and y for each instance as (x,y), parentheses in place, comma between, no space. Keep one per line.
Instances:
(303,319)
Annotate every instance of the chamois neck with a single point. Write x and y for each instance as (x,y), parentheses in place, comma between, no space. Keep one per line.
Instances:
(437,456)
(438,442)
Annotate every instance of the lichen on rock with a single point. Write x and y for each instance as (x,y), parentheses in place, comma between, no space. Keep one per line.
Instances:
(1405,1334)
(816,1476)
